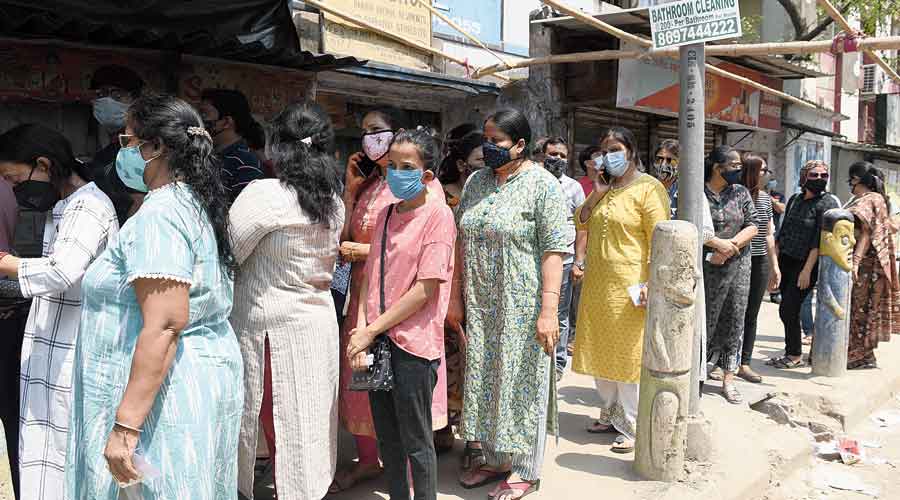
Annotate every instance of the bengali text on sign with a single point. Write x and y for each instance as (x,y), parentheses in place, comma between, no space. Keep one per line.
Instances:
(693,21)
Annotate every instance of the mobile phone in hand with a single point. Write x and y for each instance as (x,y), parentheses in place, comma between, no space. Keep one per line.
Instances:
(365,166)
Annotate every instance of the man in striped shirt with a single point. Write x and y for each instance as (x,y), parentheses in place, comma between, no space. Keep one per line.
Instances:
(227,116)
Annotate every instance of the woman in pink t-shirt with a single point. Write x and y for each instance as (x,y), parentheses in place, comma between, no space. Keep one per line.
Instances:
(406,297)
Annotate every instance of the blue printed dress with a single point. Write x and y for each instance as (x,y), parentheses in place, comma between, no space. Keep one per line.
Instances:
(191,433)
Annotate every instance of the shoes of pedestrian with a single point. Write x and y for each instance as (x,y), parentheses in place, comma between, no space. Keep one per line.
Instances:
(716,374)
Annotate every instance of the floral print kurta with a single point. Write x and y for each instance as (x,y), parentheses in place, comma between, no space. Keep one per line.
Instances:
(505,232)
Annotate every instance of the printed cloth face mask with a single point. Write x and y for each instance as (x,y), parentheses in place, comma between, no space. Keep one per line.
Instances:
(555,165)
(377,144)
(494,155)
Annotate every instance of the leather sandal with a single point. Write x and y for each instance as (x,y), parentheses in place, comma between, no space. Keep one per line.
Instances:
(731,394)
(749,375)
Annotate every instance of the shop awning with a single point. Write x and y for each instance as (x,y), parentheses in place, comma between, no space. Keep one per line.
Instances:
(252,31)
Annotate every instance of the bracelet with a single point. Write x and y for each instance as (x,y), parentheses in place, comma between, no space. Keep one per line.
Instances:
(127,427)
(550,291)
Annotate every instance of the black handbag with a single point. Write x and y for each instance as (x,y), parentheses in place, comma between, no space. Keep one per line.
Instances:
(380,375)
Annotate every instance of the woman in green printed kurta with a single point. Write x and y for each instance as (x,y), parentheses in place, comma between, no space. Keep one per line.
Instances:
(513,233)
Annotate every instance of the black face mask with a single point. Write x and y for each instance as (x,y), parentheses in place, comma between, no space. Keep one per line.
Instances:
(34,195)
(816,186)
(495,156)
(556,166)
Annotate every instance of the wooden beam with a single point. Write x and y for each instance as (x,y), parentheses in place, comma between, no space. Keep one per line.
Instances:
(390,34)
(464,33)
(643,42)
(842,22)
(728,50)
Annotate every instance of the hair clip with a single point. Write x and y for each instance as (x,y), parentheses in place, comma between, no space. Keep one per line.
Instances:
(199,131)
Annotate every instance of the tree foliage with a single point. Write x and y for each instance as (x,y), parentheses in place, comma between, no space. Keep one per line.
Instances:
(873,14)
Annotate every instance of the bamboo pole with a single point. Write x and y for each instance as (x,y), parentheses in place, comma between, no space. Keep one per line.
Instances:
(842,22)
(726,50)
(466,34)
(391,35)
(612,30)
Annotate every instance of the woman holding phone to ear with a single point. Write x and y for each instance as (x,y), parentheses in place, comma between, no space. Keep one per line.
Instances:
(618,218)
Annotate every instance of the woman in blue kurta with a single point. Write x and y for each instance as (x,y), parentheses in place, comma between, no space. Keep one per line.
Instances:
(159,371)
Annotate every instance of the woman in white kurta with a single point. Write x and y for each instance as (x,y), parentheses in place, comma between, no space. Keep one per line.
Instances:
(286,233)
(38,161)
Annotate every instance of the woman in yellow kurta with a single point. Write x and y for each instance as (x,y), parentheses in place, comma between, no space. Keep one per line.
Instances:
(618,218)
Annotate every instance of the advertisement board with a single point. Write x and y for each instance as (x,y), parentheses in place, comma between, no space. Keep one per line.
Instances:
(480,18)
(652,86)
(405,17)
(693,21)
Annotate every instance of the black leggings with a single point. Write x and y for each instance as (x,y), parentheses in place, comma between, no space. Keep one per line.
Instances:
(759,282)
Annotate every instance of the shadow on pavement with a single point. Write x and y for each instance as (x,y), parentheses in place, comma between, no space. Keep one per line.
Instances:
(599,465)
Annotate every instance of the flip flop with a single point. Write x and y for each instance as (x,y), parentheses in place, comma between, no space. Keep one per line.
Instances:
(622,445)
(518,489)
(750,376)
(485,476)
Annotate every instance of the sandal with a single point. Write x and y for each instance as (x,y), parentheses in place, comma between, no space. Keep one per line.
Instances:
(731,394)
(599,428)
(350,478)
(716,374)
(749,375)
(484,475)
(807,340)
(786,363)
(622,445)
(472,457)
(518,489)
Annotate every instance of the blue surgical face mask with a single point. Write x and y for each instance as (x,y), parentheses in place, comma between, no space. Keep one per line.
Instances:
(405,184)
(615,163)
(130,166)
(495,156)
(110,113)
(772,184)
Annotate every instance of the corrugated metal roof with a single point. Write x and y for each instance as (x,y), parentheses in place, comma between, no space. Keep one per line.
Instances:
(274,44)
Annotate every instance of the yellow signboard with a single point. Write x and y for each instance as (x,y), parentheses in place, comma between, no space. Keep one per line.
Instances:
(407,18)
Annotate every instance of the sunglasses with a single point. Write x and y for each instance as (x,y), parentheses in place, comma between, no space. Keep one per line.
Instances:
(817,176)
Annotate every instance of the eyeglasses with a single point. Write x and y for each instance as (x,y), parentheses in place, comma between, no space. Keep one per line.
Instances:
(114,92)
(765,171)
(817,176)
(125,140)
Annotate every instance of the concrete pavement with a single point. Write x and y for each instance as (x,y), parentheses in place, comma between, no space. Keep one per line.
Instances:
(751,450)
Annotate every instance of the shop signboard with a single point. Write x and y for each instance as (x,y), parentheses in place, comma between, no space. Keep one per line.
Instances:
(405,17)
(684,22)
(652,86)
(480,18)
(53,74)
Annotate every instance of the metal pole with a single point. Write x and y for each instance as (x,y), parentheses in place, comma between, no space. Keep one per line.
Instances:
(691,134)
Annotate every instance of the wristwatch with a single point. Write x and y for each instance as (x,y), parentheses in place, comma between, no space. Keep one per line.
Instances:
(580,266)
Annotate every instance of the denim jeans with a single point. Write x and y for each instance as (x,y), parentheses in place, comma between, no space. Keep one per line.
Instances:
(402,418)
(565,303)
(806,315)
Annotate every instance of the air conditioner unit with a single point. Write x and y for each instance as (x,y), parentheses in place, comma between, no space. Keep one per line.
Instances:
(872,76)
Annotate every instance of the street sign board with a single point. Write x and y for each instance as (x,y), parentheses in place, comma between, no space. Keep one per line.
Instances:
(693,21)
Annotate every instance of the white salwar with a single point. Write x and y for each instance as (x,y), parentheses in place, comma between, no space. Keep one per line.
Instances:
(282,292)
(618,405)
(78,231)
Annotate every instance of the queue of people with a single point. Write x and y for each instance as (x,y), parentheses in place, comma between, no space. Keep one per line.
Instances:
(211,314)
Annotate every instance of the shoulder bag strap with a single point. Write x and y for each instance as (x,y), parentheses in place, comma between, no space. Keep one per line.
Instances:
(383,256)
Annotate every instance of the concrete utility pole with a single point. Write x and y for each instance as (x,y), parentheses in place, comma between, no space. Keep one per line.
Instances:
(691,182)
(829,350)
(668,356)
